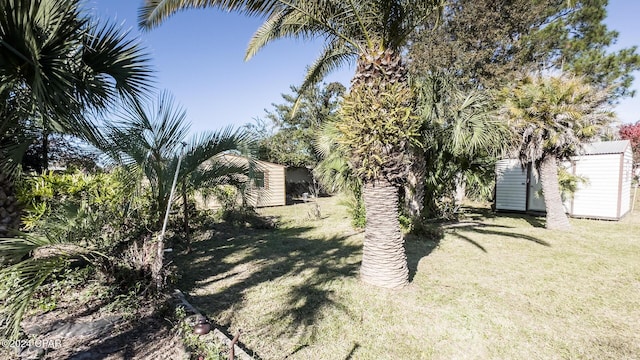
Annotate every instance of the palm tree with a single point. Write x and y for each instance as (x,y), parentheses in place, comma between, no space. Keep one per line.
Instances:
(372,32)
(150,140)
(28,261)
(56,67)
(553,117)
(461,134)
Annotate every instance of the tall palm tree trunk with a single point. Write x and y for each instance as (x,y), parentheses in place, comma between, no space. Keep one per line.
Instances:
(384,262)
(556,217)
(9,207)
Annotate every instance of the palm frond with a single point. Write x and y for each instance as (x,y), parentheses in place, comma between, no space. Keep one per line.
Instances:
(334,55)
(153,12)
(205,146)
(28,261)
(554,116)
(118,64)
(20,282)
(217,173)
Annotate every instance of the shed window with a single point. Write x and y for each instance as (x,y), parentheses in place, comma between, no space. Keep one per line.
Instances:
(261,180)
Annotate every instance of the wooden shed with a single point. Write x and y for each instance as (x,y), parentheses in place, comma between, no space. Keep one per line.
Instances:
(267,188)
(607,167)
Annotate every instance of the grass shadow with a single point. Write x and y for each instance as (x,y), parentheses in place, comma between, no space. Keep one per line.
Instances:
(485,229)
(480,213)
(418,246)
(234,261)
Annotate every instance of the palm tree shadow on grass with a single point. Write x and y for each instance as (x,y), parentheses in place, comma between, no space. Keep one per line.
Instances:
(233,261)
(485,230)
(477,213)
(419,246)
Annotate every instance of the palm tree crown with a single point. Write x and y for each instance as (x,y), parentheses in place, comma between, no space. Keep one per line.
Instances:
(149,139)
(553,117)
(58,63)
(350,29)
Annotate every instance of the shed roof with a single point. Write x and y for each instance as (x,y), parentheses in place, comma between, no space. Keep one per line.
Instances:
(606,147)
(235,159)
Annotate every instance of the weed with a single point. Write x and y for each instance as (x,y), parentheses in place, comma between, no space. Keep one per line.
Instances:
(209,350)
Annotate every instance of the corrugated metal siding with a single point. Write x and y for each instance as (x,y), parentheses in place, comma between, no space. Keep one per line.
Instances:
(599,197)
(607,147)
(536,198)
(627,172)
(605,193)
(511,186)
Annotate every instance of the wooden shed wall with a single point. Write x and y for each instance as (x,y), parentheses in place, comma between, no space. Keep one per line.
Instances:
(274,192)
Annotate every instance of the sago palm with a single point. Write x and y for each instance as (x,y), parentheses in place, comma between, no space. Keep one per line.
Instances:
(149,141)
(553,118)
(372,33)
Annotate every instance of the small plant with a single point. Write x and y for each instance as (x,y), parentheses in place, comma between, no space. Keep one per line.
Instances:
(207,350)
(355,208)
(227,196)
(126,304)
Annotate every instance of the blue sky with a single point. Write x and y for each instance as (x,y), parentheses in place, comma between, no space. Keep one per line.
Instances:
(198,55)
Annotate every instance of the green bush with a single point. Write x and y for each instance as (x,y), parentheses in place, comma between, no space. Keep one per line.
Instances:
(91,209)
(246,217)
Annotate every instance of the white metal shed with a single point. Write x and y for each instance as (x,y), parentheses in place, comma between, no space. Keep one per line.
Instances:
(606,194)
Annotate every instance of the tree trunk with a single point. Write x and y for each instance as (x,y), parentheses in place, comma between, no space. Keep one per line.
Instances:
(384,262)
(185,214)
(414,188)
(461,189)
(556,217)
(45,150)
(10,210)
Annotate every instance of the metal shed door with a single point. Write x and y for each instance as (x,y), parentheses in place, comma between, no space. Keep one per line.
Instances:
(511,186)
(536,199)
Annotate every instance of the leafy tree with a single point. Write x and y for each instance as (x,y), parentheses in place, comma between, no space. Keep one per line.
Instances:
(374,33)
(553,117)
(64,150)
(480,43)
(631,132)
(292,143)
(484,43)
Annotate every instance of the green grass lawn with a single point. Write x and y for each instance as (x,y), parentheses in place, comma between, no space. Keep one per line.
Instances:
(502,287)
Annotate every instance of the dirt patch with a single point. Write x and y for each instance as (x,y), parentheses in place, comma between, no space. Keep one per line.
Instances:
(84,331)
